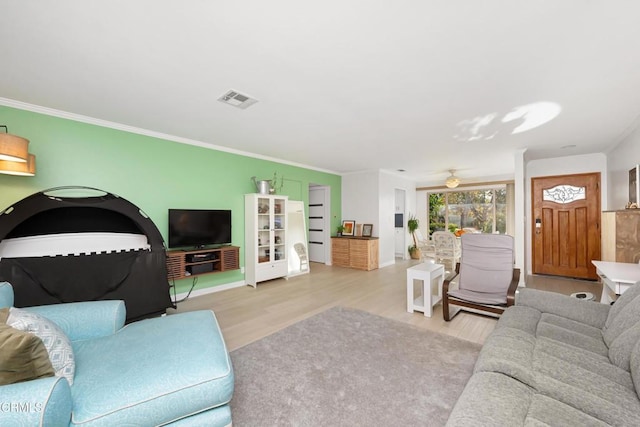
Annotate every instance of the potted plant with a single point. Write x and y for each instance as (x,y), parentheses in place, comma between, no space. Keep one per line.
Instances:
(340,229)
(412,225)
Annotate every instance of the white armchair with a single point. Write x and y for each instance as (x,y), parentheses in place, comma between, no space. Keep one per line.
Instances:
(426,246)
(447,249)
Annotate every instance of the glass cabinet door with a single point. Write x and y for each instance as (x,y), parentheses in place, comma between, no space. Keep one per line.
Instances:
(264,229)
(271,229)
(279,218)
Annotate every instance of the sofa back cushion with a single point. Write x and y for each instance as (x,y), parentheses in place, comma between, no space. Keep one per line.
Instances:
(624,313)
(622,347)
(634,365)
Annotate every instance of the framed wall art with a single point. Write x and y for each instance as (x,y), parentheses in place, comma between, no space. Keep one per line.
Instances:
(367,230)
(634,187)
(349,227)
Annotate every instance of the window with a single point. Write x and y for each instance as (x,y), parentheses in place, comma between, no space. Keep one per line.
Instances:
(480,210)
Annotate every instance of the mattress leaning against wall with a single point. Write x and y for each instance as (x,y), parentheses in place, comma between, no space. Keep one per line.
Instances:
(70,244)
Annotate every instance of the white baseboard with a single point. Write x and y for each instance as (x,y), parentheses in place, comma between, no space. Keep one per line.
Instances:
(387,264)
(210,290)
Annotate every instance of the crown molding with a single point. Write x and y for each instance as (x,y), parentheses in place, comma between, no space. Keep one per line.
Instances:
(146,132)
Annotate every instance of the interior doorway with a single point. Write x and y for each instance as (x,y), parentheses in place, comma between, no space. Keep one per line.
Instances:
(319,223)
(399,220)
(566,225)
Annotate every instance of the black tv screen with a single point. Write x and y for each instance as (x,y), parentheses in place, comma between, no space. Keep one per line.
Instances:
(199,227)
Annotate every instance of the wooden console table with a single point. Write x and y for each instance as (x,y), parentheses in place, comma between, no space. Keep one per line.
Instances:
(360,253)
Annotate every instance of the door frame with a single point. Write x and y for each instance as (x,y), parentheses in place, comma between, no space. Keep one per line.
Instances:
(401,207)
(598,215)
(327,219)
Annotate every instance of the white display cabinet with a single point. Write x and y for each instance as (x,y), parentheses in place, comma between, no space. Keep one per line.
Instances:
(265,237)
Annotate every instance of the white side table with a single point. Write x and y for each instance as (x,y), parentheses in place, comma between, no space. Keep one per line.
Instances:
(616,276)
(431,275)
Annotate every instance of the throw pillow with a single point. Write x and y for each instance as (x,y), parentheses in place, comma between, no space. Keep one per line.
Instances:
(23,356)
(55,341)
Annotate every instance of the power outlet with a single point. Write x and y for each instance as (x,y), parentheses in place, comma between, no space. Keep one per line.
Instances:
(242,270)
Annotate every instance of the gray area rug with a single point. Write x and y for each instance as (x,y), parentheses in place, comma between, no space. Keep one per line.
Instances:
(345,367)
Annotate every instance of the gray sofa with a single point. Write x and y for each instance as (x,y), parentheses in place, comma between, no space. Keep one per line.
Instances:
(559,361)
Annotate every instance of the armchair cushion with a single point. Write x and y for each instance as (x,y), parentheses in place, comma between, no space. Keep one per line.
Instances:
(499,298)
(55,341)
(23,356)
(487,264)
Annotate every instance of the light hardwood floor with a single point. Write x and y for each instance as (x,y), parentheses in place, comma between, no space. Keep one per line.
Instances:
(246,314)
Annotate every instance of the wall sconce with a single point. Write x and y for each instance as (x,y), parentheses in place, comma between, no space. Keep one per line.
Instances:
(14,155)
(452,181)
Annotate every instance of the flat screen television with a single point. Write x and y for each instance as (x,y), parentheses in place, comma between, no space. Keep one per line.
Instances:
(199,227)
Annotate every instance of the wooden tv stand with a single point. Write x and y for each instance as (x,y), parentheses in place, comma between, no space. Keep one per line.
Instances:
(189,263)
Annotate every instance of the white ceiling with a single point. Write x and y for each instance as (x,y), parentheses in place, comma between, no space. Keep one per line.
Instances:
(343,85)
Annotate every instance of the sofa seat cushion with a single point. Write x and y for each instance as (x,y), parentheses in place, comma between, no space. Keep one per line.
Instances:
(545,411)
(519,355)
(588,392)
(182,367)
(493,399)
(572,333)
(584,360)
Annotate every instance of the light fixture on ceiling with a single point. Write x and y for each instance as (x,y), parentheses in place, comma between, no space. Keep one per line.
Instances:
(452,181)
(14,155)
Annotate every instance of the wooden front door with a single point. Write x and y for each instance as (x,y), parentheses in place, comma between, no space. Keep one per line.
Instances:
(566,225)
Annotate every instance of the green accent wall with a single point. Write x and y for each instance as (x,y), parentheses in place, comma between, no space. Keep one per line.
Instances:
(152,173)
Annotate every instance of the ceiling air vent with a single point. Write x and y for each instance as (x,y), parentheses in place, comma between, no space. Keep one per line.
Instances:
(237,99)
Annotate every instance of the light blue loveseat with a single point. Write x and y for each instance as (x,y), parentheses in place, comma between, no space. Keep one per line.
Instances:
(172,370)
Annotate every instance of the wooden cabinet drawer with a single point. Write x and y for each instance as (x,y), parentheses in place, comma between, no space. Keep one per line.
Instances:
(340,252)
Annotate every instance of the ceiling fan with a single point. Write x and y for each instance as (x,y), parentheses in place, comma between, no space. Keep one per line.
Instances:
(452,181)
